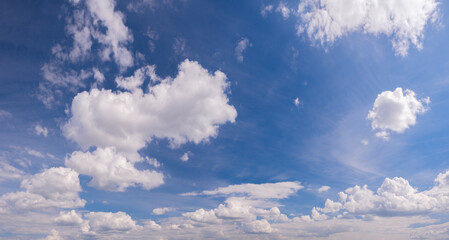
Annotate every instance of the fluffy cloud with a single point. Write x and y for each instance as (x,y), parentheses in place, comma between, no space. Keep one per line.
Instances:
(396,111)
(162,211)
(258,226)
(240,48)
(41,130)
(54,235)
(54,187)
(403,21)
(256,191)
(185,157)
(395,197)
(324,189)
(108,221)
(69,218)
(112,171)
(189,107)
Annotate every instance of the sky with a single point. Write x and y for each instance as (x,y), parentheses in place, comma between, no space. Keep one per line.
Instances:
(183,119)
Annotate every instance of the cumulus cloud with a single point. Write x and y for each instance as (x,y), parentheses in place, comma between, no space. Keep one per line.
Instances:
(403,21)
(324,189)
(112,171)
(108,221)
(53,188)
(41,130)
(241,47)
(258,226)
(396,111)
(185,157)
(162,211)
(54,235)
(296,102)
(189,107)
(69,218)
(395,197)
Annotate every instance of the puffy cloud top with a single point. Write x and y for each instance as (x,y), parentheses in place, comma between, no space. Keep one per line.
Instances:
(396,111)
(55,187)
(189,107)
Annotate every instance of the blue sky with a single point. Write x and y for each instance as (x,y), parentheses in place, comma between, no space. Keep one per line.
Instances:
(223,119)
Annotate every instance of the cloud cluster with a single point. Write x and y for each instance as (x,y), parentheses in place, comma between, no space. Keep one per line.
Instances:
(403,21)
(396,111)
(189,107)
(112,171)
(395,197)
(91,23)
(53,188)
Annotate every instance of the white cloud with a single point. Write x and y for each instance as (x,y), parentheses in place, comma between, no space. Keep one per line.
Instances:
(267,9)
(112,171)
(324,189)
(395,197)
(403,21)
(162,211)
(284,10)
(185,157)
(108,221)
(54,235)
(241,47)
(99,77)
(69,218)
(54,187)
(34,153)
(8,172)
(203,216)
(258,226)
(116,36)
(364,142)
(189,107)
(41,130)
(396,111)
(134,82)
(153,162)
(256,191)
(296,102)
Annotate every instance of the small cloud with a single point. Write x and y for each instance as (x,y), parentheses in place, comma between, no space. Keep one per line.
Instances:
(185,156)
(5,114)
(34,153)
(284,10)
(41,130)
(153,162)
(396,111)
(179,47)
(267,9)
(296,102)
(240,48)
(162,211)
(364,142)
(324,189)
